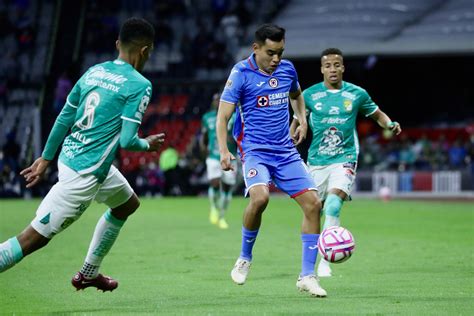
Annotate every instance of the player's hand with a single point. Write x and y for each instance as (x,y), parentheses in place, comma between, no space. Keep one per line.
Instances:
(34,173)
(155,141)
(226,161)
(300,134)
(395,128)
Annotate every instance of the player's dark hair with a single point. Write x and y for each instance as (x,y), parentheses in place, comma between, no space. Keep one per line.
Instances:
(271,31)
(136,30)
(331,51)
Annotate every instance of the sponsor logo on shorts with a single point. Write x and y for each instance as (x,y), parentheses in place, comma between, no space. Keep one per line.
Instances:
(350,165)
(252,173)
(45,220)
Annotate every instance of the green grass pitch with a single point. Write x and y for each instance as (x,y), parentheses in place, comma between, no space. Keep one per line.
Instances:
(411,258)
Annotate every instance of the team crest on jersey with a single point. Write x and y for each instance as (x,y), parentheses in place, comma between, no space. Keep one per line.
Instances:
(262,101)
(273,82)
(348,105)
(228,84)
(252,173)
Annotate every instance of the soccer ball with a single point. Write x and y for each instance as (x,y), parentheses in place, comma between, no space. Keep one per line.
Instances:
(336,244)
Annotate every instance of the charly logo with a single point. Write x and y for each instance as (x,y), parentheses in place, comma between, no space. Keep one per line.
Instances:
(273,82)
(252,173)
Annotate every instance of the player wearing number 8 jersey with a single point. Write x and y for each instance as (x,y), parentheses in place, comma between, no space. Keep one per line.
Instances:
(103,111)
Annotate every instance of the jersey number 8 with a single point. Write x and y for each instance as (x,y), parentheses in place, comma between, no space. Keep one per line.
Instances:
(92,101)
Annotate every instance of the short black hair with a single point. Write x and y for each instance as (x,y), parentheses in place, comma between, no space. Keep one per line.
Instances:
(136,29)
(271,31)
(331,51)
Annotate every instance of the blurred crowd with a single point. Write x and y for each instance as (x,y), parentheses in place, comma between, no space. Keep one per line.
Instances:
(194,38)
(421,154)
(17,38)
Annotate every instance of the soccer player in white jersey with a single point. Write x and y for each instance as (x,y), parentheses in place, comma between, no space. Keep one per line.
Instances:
(258,91)
(221,182)
(103,111)
(333,106)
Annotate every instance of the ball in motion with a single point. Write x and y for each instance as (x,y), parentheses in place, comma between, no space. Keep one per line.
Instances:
(336,244)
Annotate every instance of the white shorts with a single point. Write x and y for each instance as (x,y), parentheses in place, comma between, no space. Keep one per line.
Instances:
(335,176)
(72,195)
(214,171)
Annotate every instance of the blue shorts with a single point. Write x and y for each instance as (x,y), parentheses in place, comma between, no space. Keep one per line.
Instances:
(286,169)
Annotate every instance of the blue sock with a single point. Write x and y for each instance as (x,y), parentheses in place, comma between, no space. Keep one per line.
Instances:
(10,253)
(310,252)
(248,240)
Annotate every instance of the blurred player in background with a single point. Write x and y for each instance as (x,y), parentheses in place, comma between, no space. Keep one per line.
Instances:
(333,106)
(258,90)
(103,111)
(220,182)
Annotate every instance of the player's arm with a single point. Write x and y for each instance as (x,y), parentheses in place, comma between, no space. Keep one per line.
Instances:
(61,127)
(298,129)
(385,122)
(132,115)
(294,124)
(129,139)
(223,115)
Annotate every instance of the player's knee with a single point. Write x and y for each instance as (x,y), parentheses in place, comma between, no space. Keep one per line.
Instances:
(260,202)
(135,204)
(128,208)
(312,206)
(215,183)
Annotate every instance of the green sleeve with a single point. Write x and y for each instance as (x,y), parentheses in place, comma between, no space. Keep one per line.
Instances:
(368,107)
(63,123)
(129,139)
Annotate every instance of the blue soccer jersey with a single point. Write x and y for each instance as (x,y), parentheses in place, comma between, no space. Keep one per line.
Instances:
(262,116)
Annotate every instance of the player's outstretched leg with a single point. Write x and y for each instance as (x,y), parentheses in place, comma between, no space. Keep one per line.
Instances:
(105,234)
(332,209)
(16,248)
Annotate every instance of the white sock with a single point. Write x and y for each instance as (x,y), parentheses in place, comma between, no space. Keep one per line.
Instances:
(105,234)
(331,221)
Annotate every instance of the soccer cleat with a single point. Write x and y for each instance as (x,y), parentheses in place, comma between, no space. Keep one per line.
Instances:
(324,269)
(214,216)
(222,224)
(100,282)
(310,283)
(240,271)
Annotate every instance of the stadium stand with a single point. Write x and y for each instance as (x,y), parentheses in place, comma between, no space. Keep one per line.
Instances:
(364,27)
(197,41)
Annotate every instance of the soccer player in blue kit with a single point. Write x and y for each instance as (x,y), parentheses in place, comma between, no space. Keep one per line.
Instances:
(260,90)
